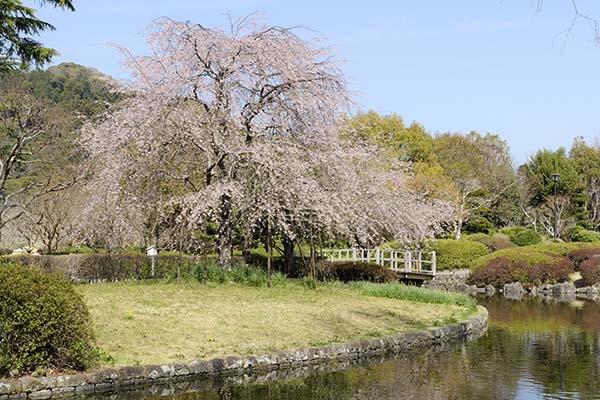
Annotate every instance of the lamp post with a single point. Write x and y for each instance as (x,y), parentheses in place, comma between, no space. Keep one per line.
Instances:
(555,180)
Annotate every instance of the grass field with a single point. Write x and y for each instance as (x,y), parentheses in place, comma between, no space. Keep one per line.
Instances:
(154,322)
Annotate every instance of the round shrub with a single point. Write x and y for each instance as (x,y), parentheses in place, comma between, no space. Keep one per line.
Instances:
(590,271)
(495,243)
(456,254)
(44,323)
(348,271)
(522,236)
(580,234)
(531,266)
(478,225)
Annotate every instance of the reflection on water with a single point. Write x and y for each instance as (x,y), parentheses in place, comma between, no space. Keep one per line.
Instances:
(533,350)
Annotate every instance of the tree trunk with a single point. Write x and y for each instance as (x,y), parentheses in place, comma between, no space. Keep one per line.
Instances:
(288,254)
(458,228)
(225,233)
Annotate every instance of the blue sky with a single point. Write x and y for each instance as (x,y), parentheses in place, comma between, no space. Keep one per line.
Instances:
(493,66)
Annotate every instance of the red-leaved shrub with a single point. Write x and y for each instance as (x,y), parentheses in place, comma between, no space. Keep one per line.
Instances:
(501,270)
(580,255)
(590,271)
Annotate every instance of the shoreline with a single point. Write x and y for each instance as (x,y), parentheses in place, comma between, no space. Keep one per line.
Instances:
(109,380)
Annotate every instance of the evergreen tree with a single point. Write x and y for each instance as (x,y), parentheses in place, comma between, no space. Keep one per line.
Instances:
(18,25)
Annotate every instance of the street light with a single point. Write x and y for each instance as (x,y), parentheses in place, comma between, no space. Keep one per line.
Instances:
(555,180)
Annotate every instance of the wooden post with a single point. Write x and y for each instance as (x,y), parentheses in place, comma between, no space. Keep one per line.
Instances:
(433,262)
(420,259)
(407,261)
(353,254)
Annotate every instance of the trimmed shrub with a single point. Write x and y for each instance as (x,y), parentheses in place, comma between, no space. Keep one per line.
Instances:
(494,243)
(522,236)
(455,254)
(478,225)
(590,271)
(348,271)
(114,267)
(44,322)
(500,270)
(580,234)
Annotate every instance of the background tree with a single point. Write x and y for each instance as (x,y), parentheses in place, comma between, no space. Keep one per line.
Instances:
(480,168)
(42,114)
(587,163)
(539,188)
(18,25)
(395,141)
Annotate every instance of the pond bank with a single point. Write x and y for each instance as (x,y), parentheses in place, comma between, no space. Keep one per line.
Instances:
(456,281)
(108,380)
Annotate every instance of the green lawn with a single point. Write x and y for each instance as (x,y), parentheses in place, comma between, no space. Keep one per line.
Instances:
(155,322)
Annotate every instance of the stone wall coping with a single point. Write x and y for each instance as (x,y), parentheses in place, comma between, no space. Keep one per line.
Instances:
(109,379)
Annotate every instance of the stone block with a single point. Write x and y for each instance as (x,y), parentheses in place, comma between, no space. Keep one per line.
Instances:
(104,387)
(85,389)
(102,376)
(217,364)
(71,380)
(233,363)
(40,394)
(250,362)
(130,373)
(10,386)
(200,367)
(153,372)
(65,391)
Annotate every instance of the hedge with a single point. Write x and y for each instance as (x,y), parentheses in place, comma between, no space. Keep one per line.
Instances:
(455,254)
(114,267)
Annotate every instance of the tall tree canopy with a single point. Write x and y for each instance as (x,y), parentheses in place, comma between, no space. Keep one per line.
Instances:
(18,26)
(480,168)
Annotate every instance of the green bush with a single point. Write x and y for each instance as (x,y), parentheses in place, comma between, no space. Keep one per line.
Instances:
(44,322)
(478,225)
(349,271)
(580,234)
(455,254)
(522,236)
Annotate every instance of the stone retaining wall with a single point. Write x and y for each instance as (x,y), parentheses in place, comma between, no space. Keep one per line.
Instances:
(108,380)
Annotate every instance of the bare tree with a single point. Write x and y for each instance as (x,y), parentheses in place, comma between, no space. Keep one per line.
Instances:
(27,128)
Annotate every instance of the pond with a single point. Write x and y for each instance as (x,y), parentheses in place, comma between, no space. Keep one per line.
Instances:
(534,349)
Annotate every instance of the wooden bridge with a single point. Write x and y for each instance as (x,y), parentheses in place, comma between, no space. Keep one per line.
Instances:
(413,265)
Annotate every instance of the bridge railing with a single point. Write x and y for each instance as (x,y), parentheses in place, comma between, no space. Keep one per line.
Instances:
(416,261)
